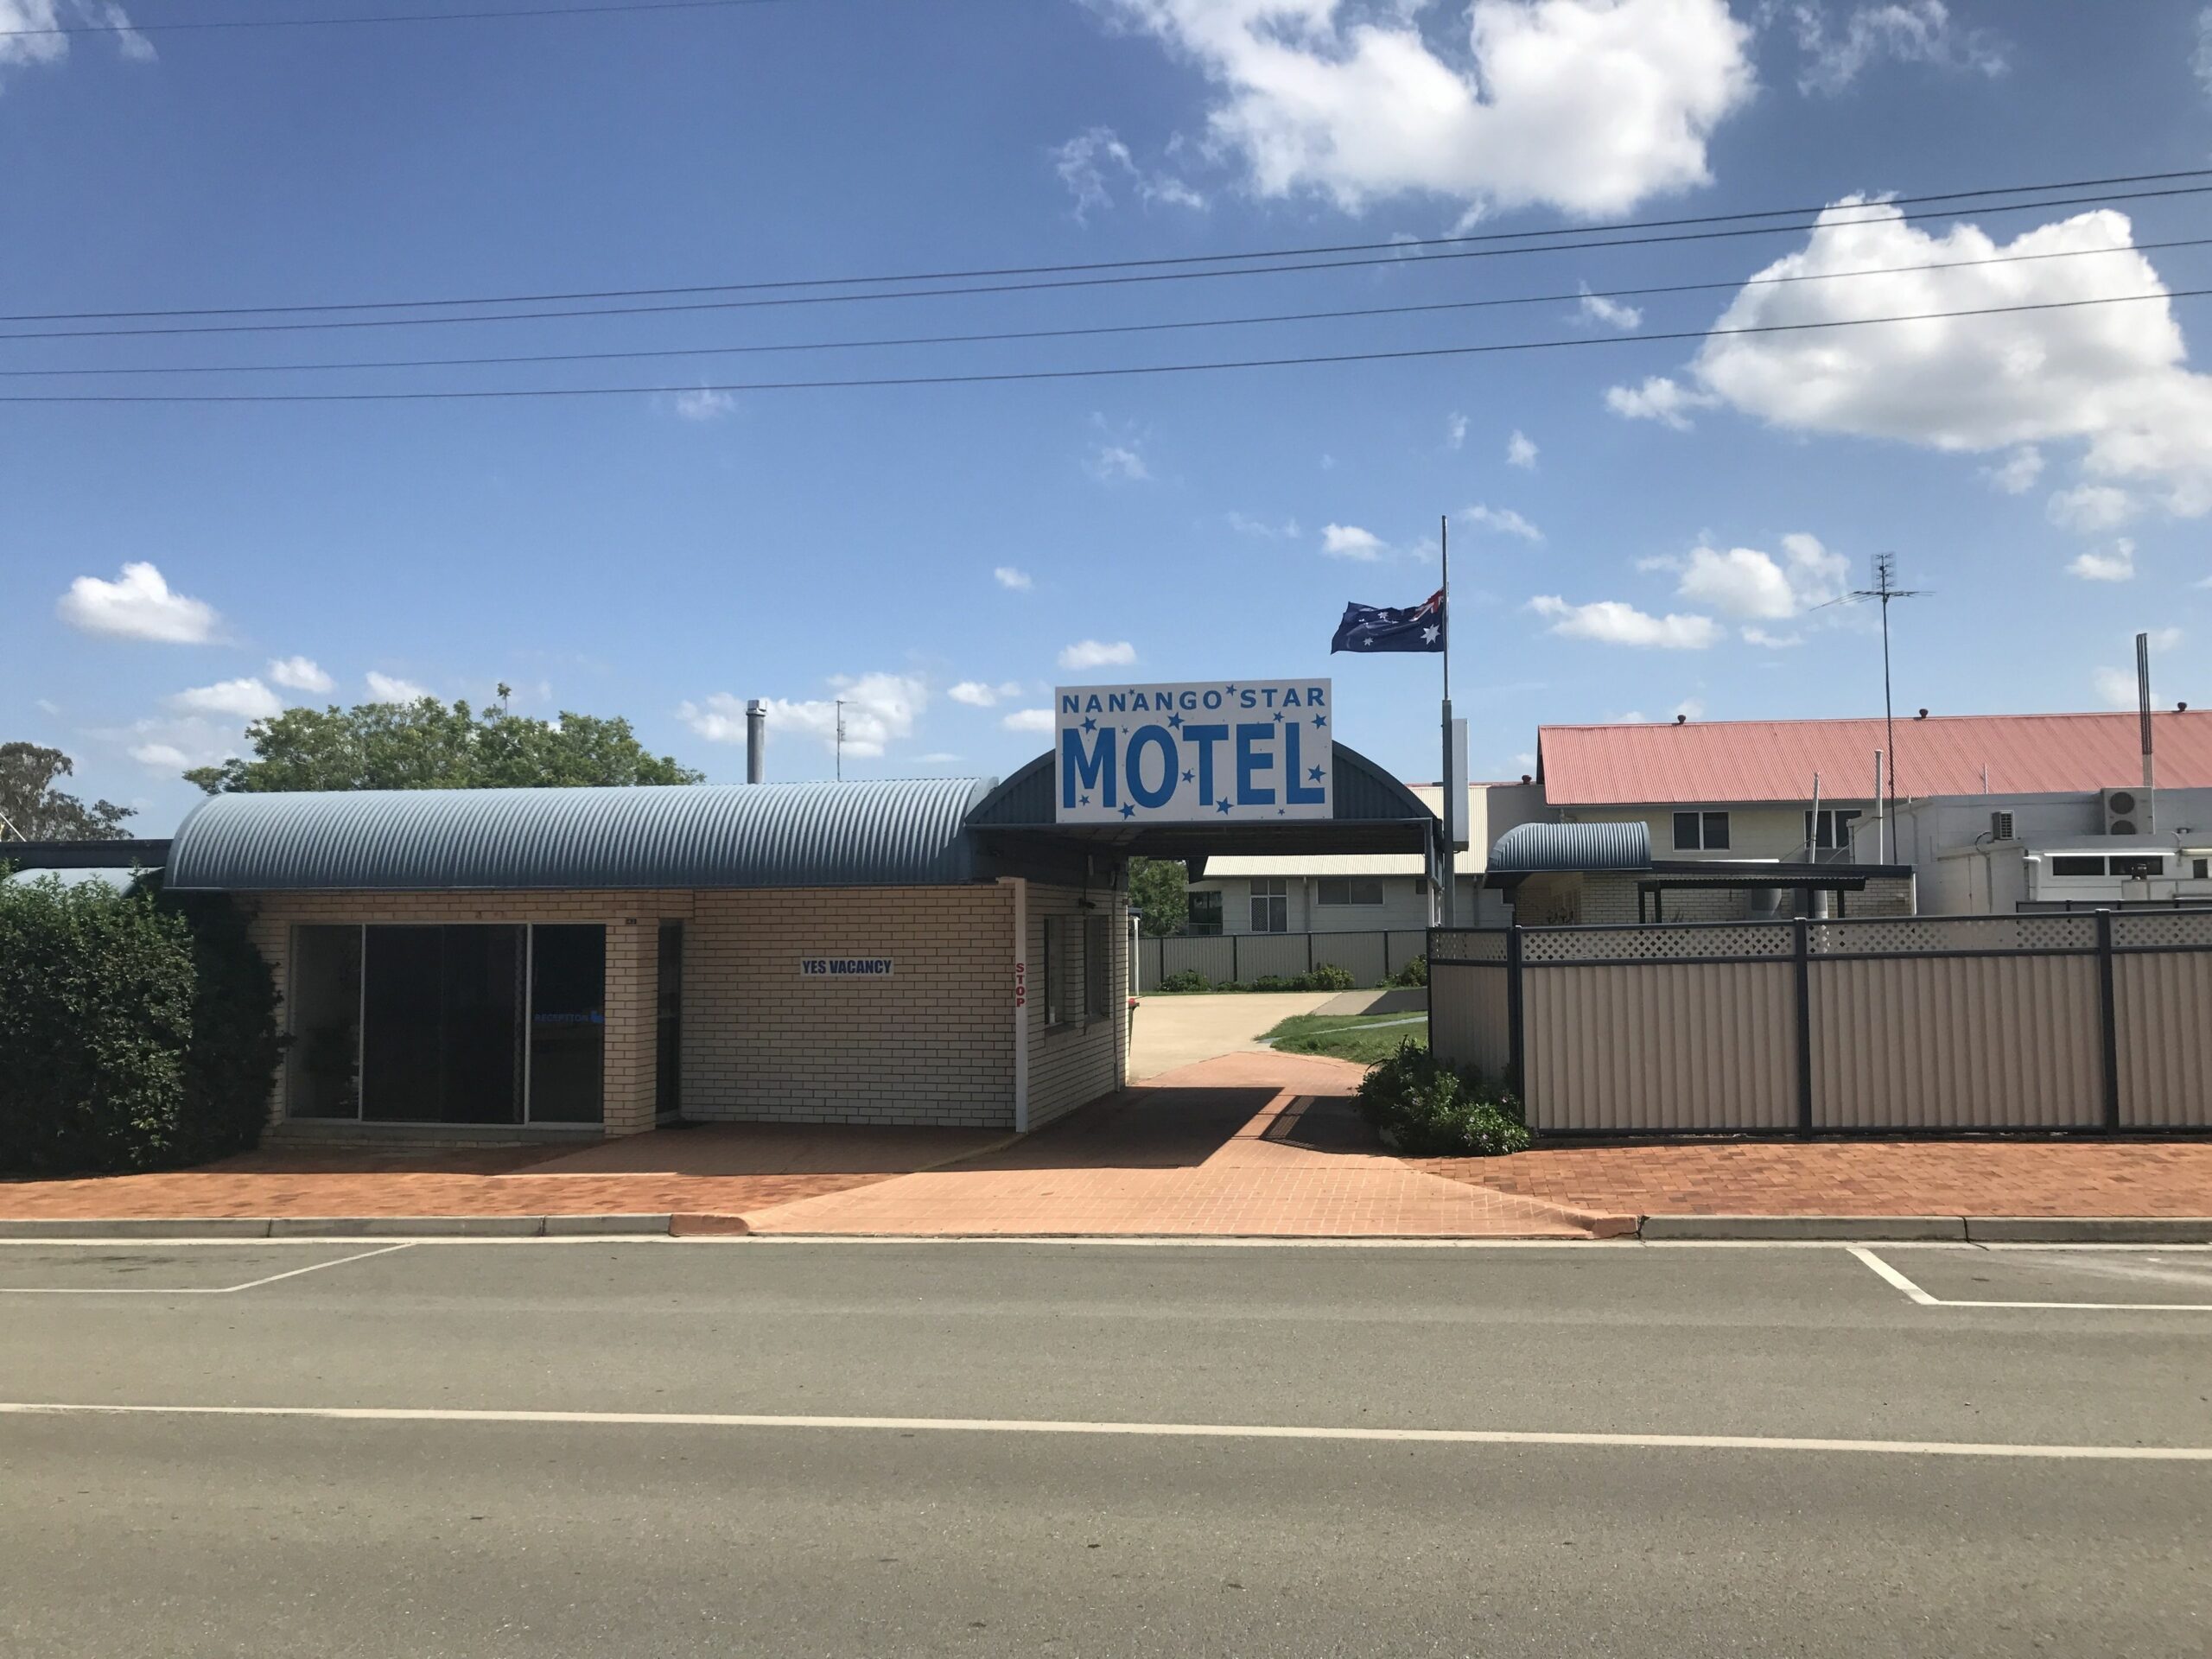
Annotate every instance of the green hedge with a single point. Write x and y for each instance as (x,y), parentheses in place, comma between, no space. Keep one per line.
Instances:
(1426,1108)
(135,1032)
(1322,976)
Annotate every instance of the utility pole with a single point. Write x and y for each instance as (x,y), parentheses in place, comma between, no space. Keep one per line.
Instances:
(1451,884)
(1885,589)
(841,740)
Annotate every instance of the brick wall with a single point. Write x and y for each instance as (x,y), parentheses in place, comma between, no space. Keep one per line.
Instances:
(1082,1056)
(933,1044)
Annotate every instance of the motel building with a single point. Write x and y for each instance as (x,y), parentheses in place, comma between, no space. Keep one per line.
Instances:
(496,964)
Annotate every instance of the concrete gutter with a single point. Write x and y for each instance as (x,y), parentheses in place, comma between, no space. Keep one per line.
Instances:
(192,1227)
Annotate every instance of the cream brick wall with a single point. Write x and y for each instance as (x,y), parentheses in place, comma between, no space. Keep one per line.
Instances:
(1081,1058)
(630,917)
(931,1044)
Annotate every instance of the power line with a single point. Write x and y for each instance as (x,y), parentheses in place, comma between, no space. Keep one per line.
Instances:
(640,7)
(1004,335)
(1128,370)
(1012,288)
(1395,248)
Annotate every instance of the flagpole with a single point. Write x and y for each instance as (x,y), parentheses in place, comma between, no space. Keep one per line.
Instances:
(1450,879)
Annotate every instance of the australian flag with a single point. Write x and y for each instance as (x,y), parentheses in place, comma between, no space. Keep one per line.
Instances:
(1381,627)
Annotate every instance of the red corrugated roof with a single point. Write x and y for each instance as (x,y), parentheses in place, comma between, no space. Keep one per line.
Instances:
(1944,754)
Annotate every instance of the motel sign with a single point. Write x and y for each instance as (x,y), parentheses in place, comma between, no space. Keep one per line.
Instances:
(1213,751)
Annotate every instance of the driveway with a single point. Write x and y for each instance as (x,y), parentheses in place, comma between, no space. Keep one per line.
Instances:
(1171,1032)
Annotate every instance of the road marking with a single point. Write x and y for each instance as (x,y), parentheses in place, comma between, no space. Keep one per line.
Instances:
(194,1290)
(1902,1283)
(1160,1431)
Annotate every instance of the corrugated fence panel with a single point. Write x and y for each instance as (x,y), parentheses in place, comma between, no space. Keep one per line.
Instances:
(1211,956)
(1279,956)
(2165,1005)
(1469,1016)
(1957,1042)
(1363,953)
(1401,947)
(1148,968)
(1654,1048)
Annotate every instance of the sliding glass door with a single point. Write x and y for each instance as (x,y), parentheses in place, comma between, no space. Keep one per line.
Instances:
(466,1024)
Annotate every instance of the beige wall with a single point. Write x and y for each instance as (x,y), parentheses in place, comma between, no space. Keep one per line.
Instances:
(932,1045)
(1753,831)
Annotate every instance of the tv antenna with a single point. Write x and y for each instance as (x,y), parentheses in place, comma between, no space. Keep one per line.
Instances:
(841,740)
(1885,589)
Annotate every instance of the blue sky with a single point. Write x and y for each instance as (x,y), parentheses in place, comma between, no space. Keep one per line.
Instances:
(1658,538)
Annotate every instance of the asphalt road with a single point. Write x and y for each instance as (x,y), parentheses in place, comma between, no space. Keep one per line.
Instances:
(1090,1526)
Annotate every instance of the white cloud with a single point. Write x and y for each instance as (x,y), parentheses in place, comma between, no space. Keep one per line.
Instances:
(978,694)
(702,404)
(1098,654)
(390,688)
(1504,520)
(1455,432)
(246,699)
(879,709)
(1596,308)
(1659,398)
(1613,623)
(2201,61)
(20,18)
(1245,524)
(159,757)
(1689,708)
(299,674)
(1028,720)
(1910,31)
(1590,105)
(137,605)
(1007,576)
(2017,472)
(1521,451)
(2119,565)
(2090,508)
(1758,636)
(1743,581)
(1123,462)
(2111,376)
(1350,542)
(1092,164)
(938,758)
(2115,687)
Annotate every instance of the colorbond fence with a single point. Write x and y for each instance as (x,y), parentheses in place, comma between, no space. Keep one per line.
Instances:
(1240,958)
(2086,1021)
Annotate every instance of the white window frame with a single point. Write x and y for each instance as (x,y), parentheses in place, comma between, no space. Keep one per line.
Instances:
(1353,886)
(1270,903)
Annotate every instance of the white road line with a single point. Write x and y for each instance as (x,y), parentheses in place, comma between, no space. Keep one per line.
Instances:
(1921,1296)
(196,1290)
(1896,1279)
(1161,1431)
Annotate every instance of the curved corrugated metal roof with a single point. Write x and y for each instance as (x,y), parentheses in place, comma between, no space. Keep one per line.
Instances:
(1528,848)
(903,833)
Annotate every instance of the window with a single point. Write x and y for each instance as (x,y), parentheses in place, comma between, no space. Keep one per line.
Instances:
(1701,832)
(1349,890)
(1205,913)
(2076,864)
(1270,903)
(1098,967)
(2200,869)
(568,1022)
(1834,829)
(668,1023)
(2138,867)
(1051,992)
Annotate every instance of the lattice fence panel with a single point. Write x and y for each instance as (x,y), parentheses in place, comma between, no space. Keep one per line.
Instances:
(2150,929)
(1540,946)
(1935,935)
(1468,945)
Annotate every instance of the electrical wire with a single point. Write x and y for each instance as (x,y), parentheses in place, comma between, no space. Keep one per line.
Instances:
(1395,248)
(1012,288)
(1654,291)
(1126,370)
(196,23)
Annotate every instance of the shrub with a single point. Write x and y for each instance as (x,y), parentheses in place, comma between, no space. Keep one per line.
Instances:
(1413,973)
(1328,976)
(1430,1111)
(133,1035)
(1185,979)
(1277,982)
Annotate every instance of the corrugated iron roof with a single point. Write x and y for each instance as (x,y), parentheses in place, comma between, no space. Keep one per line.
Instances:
(1715,761)
(905,833)
(1530,846)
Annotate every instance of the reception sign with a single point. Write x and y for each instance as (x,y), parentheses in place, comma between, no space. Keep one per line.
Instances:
(1212,751)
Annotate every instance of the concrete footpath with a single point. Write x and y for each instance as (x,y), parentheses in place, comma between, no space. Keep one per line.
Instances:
(1250,1144)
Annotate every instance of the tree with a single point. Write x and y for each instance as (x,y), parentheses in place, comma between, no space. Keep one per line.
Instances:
(1159,887)
(39,811)
(428,745)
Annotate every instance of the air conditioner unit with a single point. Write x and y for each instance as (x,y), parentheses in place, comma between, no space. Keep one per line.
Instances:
(2127,811)
(2000,826)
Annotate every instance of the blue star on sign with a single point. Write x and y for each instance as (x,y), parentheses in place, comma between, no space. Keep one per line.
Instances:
(1221,807)
(1278,719)
(1127,810)
(1320,720)
(1174,722)
(1231,689)
(1190,777)
(1082,800)
(1314,772)
(1090,725)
